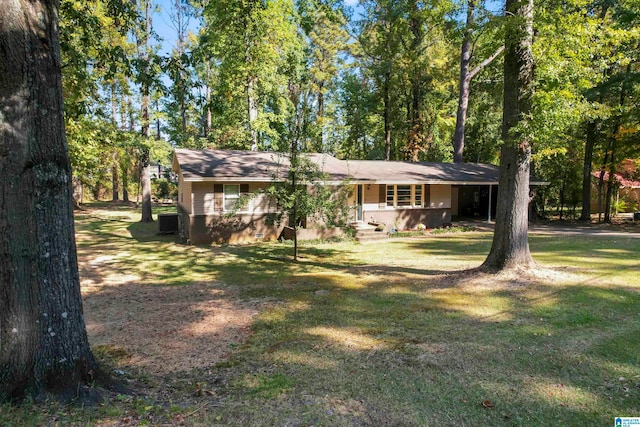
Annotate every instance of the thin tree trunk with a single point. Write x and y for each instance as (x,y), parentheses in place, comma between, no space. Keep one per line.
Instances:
(601,181)
(586,172)
(387,115)
(614,143)
(466,76)
(125,176)
(114,179)
(145,176)
(114,165)
(252,109)
(207,117)
(510,247)
(43,342)
(320,117)
(611,181)
(465,83)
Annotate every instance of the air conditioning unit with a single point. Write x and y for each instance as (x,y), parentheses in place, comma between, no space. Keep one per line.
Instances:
(168,223)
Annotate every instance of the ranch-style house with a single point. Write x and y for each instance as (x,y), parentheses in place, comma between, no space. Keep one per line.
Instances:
(396,195)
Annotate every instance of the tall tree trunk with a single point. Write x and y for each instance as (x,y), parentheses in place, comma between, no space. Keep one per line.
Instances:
(510,247)
(387,115)
(416,135)
(114,164)
(614,145)
(465,83)
(601,180)
(43,341)
(114,178)
(466,76)
(252,109)
(145,176)
(125,176)
(320,117)
(611,182)
(207,95)
(586,171)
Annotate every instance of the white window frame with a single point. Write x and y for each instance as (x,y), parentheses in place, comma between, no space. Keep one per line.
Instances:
(412,197)
(226,197)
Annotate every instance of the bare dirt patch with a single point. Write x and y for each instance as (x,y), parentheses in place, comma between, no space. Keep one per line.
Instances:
(166,329)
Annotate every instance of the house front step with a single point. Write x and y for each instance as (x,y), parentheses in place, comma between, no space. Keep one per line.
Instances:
(366,235)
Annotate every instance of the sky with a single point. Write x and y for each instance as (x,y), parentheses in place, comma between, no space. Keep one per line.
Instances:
(162,21)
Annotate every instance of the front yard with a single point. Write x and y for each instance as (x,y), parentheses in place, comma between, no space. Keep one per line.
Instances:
(391,333)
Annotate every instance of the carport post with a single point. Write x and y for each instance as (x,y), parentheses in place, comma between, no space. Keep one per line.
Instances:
(490,191)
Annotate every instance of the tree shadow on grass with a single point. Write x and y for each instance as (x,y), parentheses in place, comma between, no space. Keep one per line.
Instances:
(414,356)
(405,346)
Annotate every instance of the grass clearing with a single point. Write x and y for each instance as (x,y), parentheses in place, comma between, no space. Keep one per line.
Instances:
(391,333)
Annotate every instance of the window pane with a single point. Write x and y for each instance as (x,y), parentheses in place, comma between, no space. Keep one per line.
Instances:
(418,195)
(231,195)
(231,190)
(404,195)
(390,195)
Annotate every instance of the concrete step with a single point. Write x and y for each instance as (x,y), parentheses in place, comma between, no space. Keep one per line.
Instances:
(366,235)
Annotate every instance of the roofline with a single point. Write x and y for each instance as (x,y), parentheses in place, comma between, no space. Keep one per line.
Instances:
(355,181)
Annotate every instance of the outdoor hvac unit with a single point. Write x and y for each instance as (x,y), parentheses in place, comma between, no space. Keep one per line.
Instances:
(168,223)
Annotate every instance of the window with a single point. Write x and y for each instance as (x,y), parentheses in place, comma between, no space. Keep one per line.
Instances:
(418,196)
(403,193)
(231,196)
(391,195)
(405,196)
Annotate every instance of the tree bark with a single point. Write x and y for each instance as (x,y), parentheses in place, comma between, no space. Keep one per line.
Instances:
(510,247)
(43,341)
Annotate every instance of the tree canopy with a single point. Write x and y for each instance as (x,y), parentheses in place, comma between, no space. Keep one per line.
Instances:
(379,80)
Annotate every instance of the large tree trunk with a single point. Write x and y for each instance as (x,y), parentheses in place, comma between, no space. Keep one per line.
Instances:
(43,341)
(510,248)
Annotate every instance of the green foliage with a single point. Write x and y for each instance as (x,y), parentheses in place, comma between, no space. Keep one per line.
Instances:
(163,188)
(342,82)
(306,193)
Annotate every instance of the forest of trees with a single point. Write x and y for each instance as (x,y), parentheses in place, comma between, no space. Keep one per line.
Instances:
(384,79)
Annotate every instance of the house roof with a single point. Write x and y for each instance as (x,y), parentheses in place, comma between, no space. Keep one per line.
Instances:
(252,166)
(392,172)
(248,166)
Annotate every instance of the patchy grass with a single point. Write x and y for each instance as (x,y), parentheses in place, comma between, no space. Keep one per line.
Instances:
(392,333)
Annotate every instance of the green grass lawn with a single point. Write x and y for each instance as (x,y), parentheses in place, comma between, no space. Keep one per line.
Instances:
(391,333)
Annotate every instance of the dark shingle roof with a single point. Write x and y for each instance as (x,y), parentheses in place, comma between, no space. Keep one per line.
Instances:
(426,172)
(197,165)
(246,165)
